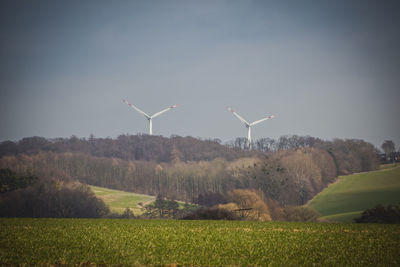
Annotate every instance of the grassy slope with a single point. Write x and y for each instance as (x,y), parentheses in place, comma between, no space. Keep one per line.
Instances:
(389,166)
(118,200)
(352,194)
(195,243)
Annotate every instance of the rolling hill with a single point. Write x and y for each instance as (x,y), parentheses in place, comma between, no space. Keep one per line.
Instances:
(352,194)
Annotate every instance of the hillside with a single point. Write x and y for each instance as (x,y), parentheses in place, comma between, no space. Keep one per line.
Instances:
(351,195)
(118,200)
(183,168)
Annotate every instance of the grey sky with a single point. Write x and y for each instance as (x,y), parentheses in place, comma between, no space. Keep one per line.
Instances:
(324,68)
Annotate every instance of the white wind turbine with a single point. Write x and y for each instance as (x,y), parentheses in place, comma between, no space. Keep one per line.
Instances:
(148,117)
(248,125)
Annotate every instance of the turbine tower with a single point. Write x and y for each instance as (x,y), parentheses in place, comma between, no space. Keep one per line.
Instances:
(148,117)
(248,125)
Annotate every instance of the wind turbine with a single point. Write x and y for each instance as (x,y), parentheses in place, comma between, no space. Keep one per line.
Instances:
(148,117)
(248,125)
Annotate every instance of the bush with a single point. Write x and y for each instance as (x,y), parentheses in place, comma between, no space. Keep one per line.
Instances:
(299,214)
(52,199)
(209,199)
(10,181)
(249,204)
(128,214)
(211,214)
(380,214)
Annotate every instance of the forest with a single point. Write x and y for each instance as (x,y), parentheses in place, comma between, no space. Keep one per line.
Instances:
(284,172)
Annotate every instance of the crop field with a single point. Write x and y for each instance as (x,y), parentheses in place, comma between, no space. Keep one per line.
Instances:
(161,242)
(118,200)
(352,194)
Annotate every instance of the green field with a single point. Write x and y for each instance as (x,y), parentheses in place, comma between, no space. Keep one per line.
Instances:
(352,194)
(389,166)
(118,200)
(211,243)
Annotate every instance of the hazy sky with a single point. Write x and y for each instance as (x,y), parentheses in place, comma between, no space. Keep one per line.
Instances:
(325,68)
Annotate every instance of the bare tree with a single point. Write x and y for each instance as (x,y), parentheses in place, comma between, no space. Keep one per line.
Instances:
(389,148)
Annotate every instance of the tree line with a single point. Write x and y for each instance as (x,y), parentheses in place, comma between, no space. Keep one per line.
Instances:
(289,176)
(174,149)
(128,147)
(65,198)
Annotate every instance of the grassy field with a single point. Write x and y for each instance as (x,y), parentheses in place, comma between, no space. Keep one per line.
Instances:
(211,243)
(118,200)
(351,195)
(389,166)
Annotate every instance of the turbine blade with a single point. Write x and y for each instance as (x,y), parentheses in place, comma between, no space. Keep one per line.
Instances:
(257,122)
(162,111)
(238,116)
(137,109)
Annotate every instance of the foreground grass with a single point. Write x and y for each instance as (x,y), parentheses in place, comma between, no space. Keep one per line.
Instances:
(118,200)
(352,194)
(158,242)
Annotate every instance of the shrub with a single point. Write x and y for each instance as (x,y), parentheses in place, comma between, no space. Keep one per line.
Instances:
(211,214)
(10,181)
(250,204)
(52,199)
(380,214)
(299,214)
(209,199)
(128,214)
